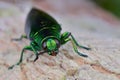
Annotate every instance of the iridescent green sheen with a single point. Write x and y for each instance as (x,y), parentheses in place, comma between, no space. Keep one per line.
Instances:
(44,34)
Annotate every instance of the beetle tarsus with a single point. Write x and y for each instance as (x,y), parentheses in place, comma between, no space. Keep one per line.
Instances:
(83,55)
(87,48)
(11,67)
(19,39)
(36,58)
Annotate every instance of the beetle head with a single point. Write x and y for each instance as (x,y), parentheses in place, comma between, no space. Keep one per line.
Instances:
(51,46)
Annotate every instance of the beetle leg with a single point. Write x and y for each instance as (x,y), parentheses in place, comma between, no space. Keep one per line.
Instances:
(34,50)
(79,44)
(21,57)
(19,39)
(41,52)
(36,58)
(65,38)
(76,50)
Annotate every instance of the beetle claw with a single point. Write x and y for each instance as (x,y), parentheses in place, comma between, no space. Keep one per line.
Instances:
(11,67)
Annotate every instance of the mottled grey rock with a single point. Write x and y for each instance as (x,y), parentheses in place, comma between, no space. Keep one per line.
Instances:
(89,29)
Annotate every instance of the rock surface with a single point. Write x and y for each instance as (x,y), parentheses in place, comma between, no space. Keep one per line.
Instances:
(90,25)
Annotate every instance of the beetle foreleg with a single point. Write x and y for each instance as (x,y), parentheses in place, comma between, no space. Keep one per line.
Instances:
(65,38)
(19,39)
(21,57)
(79,44)
(76,50)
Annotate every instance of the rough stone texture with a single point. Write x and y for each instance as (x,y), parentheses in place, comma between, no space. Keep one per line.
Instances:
(90,25)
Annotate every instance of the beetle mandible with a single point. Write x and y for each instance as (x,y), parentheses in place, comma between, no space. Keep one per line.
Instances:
(44,34)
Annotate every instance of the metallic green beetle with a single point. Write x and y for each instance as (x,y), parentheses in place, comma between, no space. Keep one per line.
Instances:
(45,35)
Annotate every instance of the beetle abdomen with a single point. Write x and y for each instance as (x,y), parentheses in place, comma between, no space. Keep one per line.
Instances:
(37,20)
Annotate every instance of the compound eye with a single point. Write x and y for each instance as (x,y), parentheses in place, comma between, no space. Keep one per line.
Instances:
(44,45)
(57,42)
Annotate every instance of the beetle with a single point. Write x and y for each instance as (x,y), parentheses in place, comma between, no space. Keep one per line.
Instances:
(44,34)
